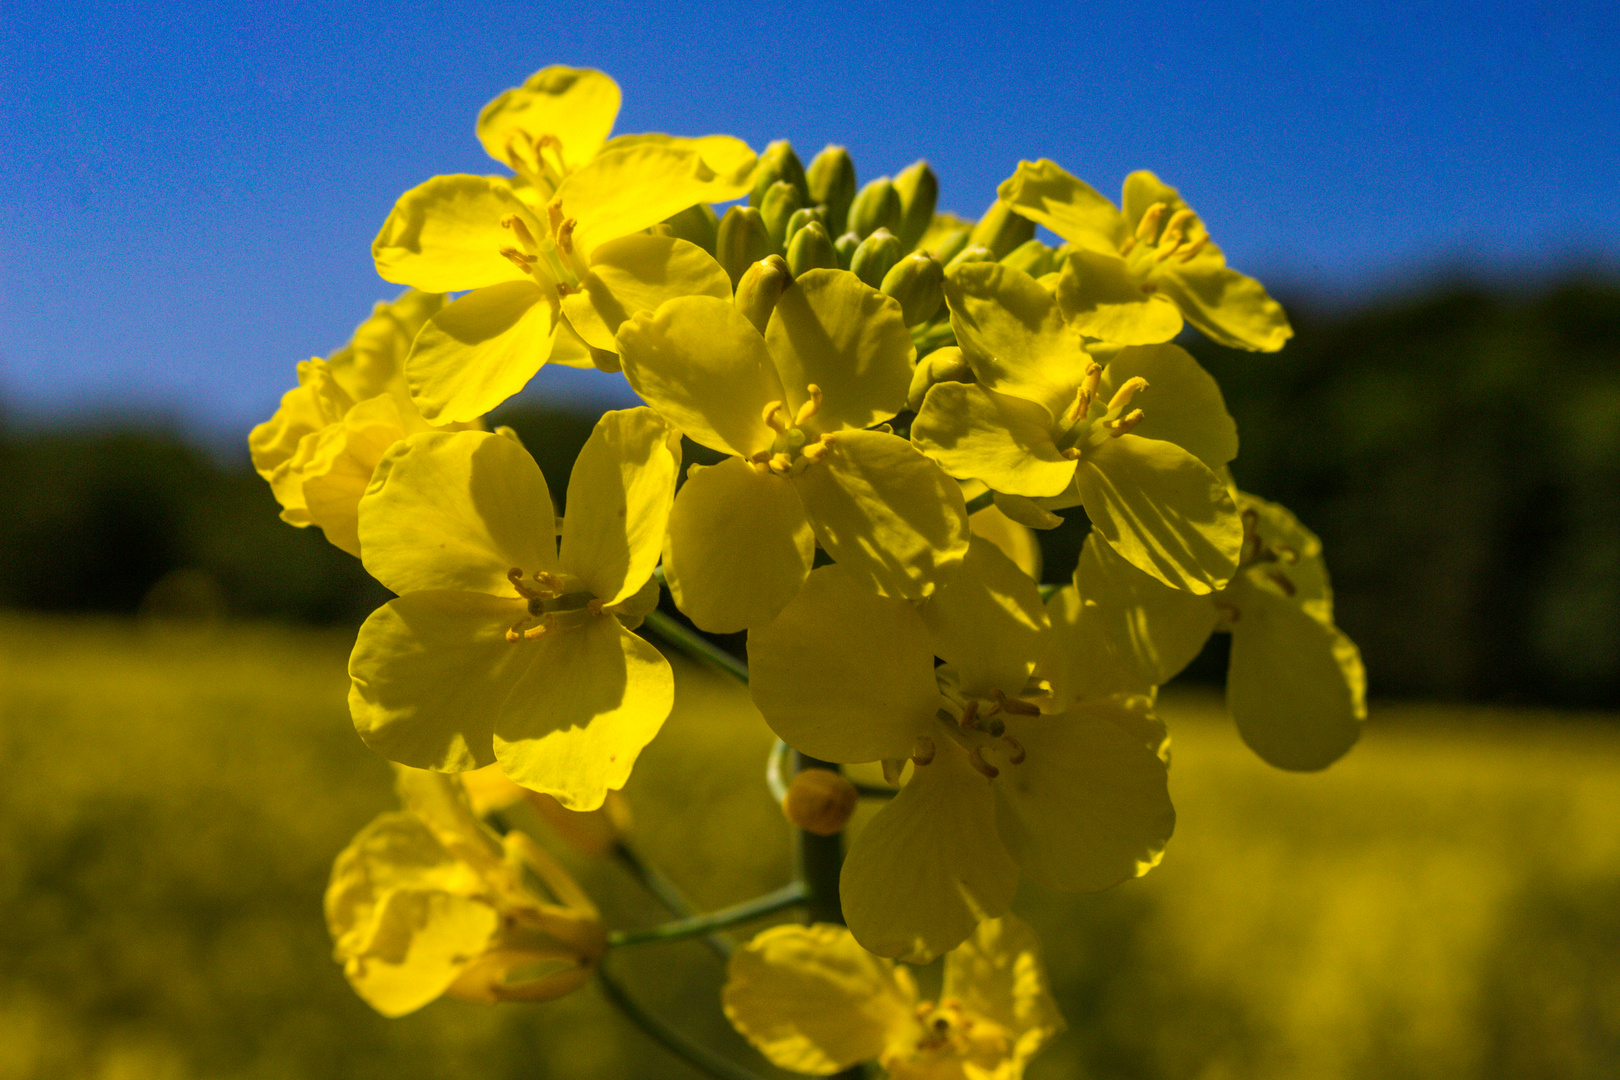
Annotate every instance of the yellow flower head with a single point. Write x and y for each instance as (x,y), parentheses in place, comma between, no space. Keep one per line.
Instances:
(430,901)
(1132,277)
(501,646)
(813,1001)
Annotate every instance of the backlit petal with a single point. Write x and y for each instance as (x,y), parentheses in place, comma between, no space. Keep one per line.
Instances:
(1181,404)
(480,350)
(997,974)
(576,106)
(638,273)
(618,503)
(1101,300)
(1002,440)
(627,187)
(446,235)
(1014,334)
(1044,193)
(987,622)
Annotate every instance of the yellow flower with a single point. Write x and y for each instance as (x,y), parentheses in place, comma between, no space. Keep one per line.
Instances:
(1132,277)
(1076,800)
(813,1001)
(430,901)
(1294,685)
(320,447)
(790,405)
(558,238)
(1045,421)
(500,647)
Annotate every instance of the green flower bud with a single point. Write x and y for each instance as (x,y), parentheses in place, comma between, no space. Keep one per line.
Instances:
(971,253)
(832,186)
(948,248)
(1032,257)
(697,224)
(845,246)
(875,257)
(811,249)
(778,162)
(742,241)
(919,191)
(800,219)
(1001,230)
(761,285)
(876,207)
(780,203)
(918,282)
(941,365)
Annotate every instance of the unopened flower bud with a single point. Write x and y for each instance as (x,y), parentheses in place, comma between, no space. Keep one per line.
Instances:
(742,241)
(820,801)
(876,207)
(1001,230)
(875,257)
(761,285)
(778,162)
(832,186)
(1032,257)
(971,253)
(781,202)
(696,224)
(845,246)
(799,219)
(950,245)
(811,249)
(942,365)
(918,282)
(918,187)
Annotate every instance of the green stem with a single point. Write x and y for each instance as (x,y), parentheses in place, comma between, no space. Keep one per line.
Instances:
(699,1057)
(980,501)
(695,644)
(821,859)
(789,895)
(669,894)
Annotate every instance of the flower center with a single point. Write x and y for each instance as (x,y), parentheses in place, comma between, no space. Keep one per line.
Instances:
(539,161)
(555,602)
(978,726)
(1267,558)
(1088,423)
(550,259)
(1160,236)
(946,1032)
(794,449)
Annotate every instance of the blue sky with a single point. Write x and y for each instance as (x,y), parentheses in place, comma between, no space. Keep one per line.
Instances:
(188,195)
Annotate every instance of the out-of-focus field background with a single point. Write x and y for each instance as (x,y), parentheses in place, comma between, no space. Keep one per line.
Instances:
(1445,902)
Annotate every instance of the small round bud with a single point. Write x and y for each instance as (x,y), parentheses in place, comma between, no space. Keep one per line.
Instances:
(951,245)
(798,220)
(918,282)
(919,192)
(875,257)
(820,801)
(831,182)
(971,253)
(778,162)
(1032,257)
(811,249)
(697,225)
(779,205)
(742,241)
(1001,230)
(876,207)
(947,364)
(845,246)
(761,286)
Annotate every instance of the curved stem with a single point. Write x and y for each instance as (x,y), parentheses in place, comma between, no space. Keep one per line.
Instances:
(789,895)
(695,1055)
(666,892)
(694,644)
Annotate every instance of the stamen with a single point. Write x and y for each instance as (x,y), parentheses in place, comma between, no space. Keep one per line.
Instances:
(1282,582)
(810,407)
(922,751)
(1125,248)
(970,715)
(520,228)
(1072,453)
(782,462)
(976,759)
(892,768)
(772,420)
(1174,233)
(1017,757)
(1016,707)
(1122,396)
(1116,428)
(816,451)
(1192,249)
(1147,230)
(514,634)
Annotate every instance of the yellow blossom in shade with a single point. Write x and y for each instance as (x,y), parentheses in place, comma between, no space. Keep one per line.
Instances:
(813,1001)
(318,450)
(500,646)
(1136,443)
(790,405)
(1132,277)
(593,832)
(430,901)
(565,237)
(1075,800)
(1295,683)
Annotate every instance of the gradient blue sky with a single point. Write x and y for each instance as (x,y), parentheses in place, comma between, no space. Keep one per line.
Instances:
(188,195)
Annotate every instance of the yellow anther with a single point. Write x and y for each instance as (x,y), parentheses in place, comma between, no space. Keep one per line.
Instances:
(1147,230)
(1015,706)
(1017,756)
(810,407)
(1192,249)
(1125,248)
(1282,582)
(565,235)
(782,462)
(817,451)
(970,715)
(1119,427)
(922,751)
(1174,233)
(976,759)
(554,215)
(515,633)
(520,228)
(772,414)
(1122,396)
(1072,454)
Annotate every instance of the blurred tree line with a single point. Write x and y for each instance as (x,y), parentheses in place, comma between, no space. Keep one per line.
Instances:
(1458,453)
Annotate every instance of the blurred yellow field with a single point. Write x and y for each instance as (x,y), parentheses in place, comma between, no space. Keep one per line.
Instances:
(1443,903)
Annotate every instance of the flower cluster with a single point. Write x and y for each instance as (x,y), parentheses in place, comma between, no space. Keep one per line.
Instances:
(885,399)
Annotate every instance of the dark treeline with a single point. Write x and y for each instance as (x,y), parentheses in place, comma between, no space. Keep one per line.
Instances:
(1459,454)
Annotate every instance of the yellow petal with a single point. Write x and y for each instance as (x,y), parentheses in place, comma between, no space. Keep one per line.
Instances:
(1101,300)
(446,235)
(1295,685)
(929,865)
(1016,541)
(1298,555)
(997,974)
(703,366)
(637,273)
(347,454)
(833,330)
(1002,440)
(813,1001)
(888,515)
(1044,193)
(628,187)
(987,622)
(1089,806)
(1014,334)
(277,446)
(842,674)
(575,106)
(739,547)
(1163,510)
(428,675)
(480,350)
(593,697)
(1182,403)
(456,510)
(618,503)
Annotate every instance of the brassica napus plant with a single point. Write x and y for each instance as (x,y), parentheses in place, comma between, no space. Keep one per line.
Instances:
(875,375)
